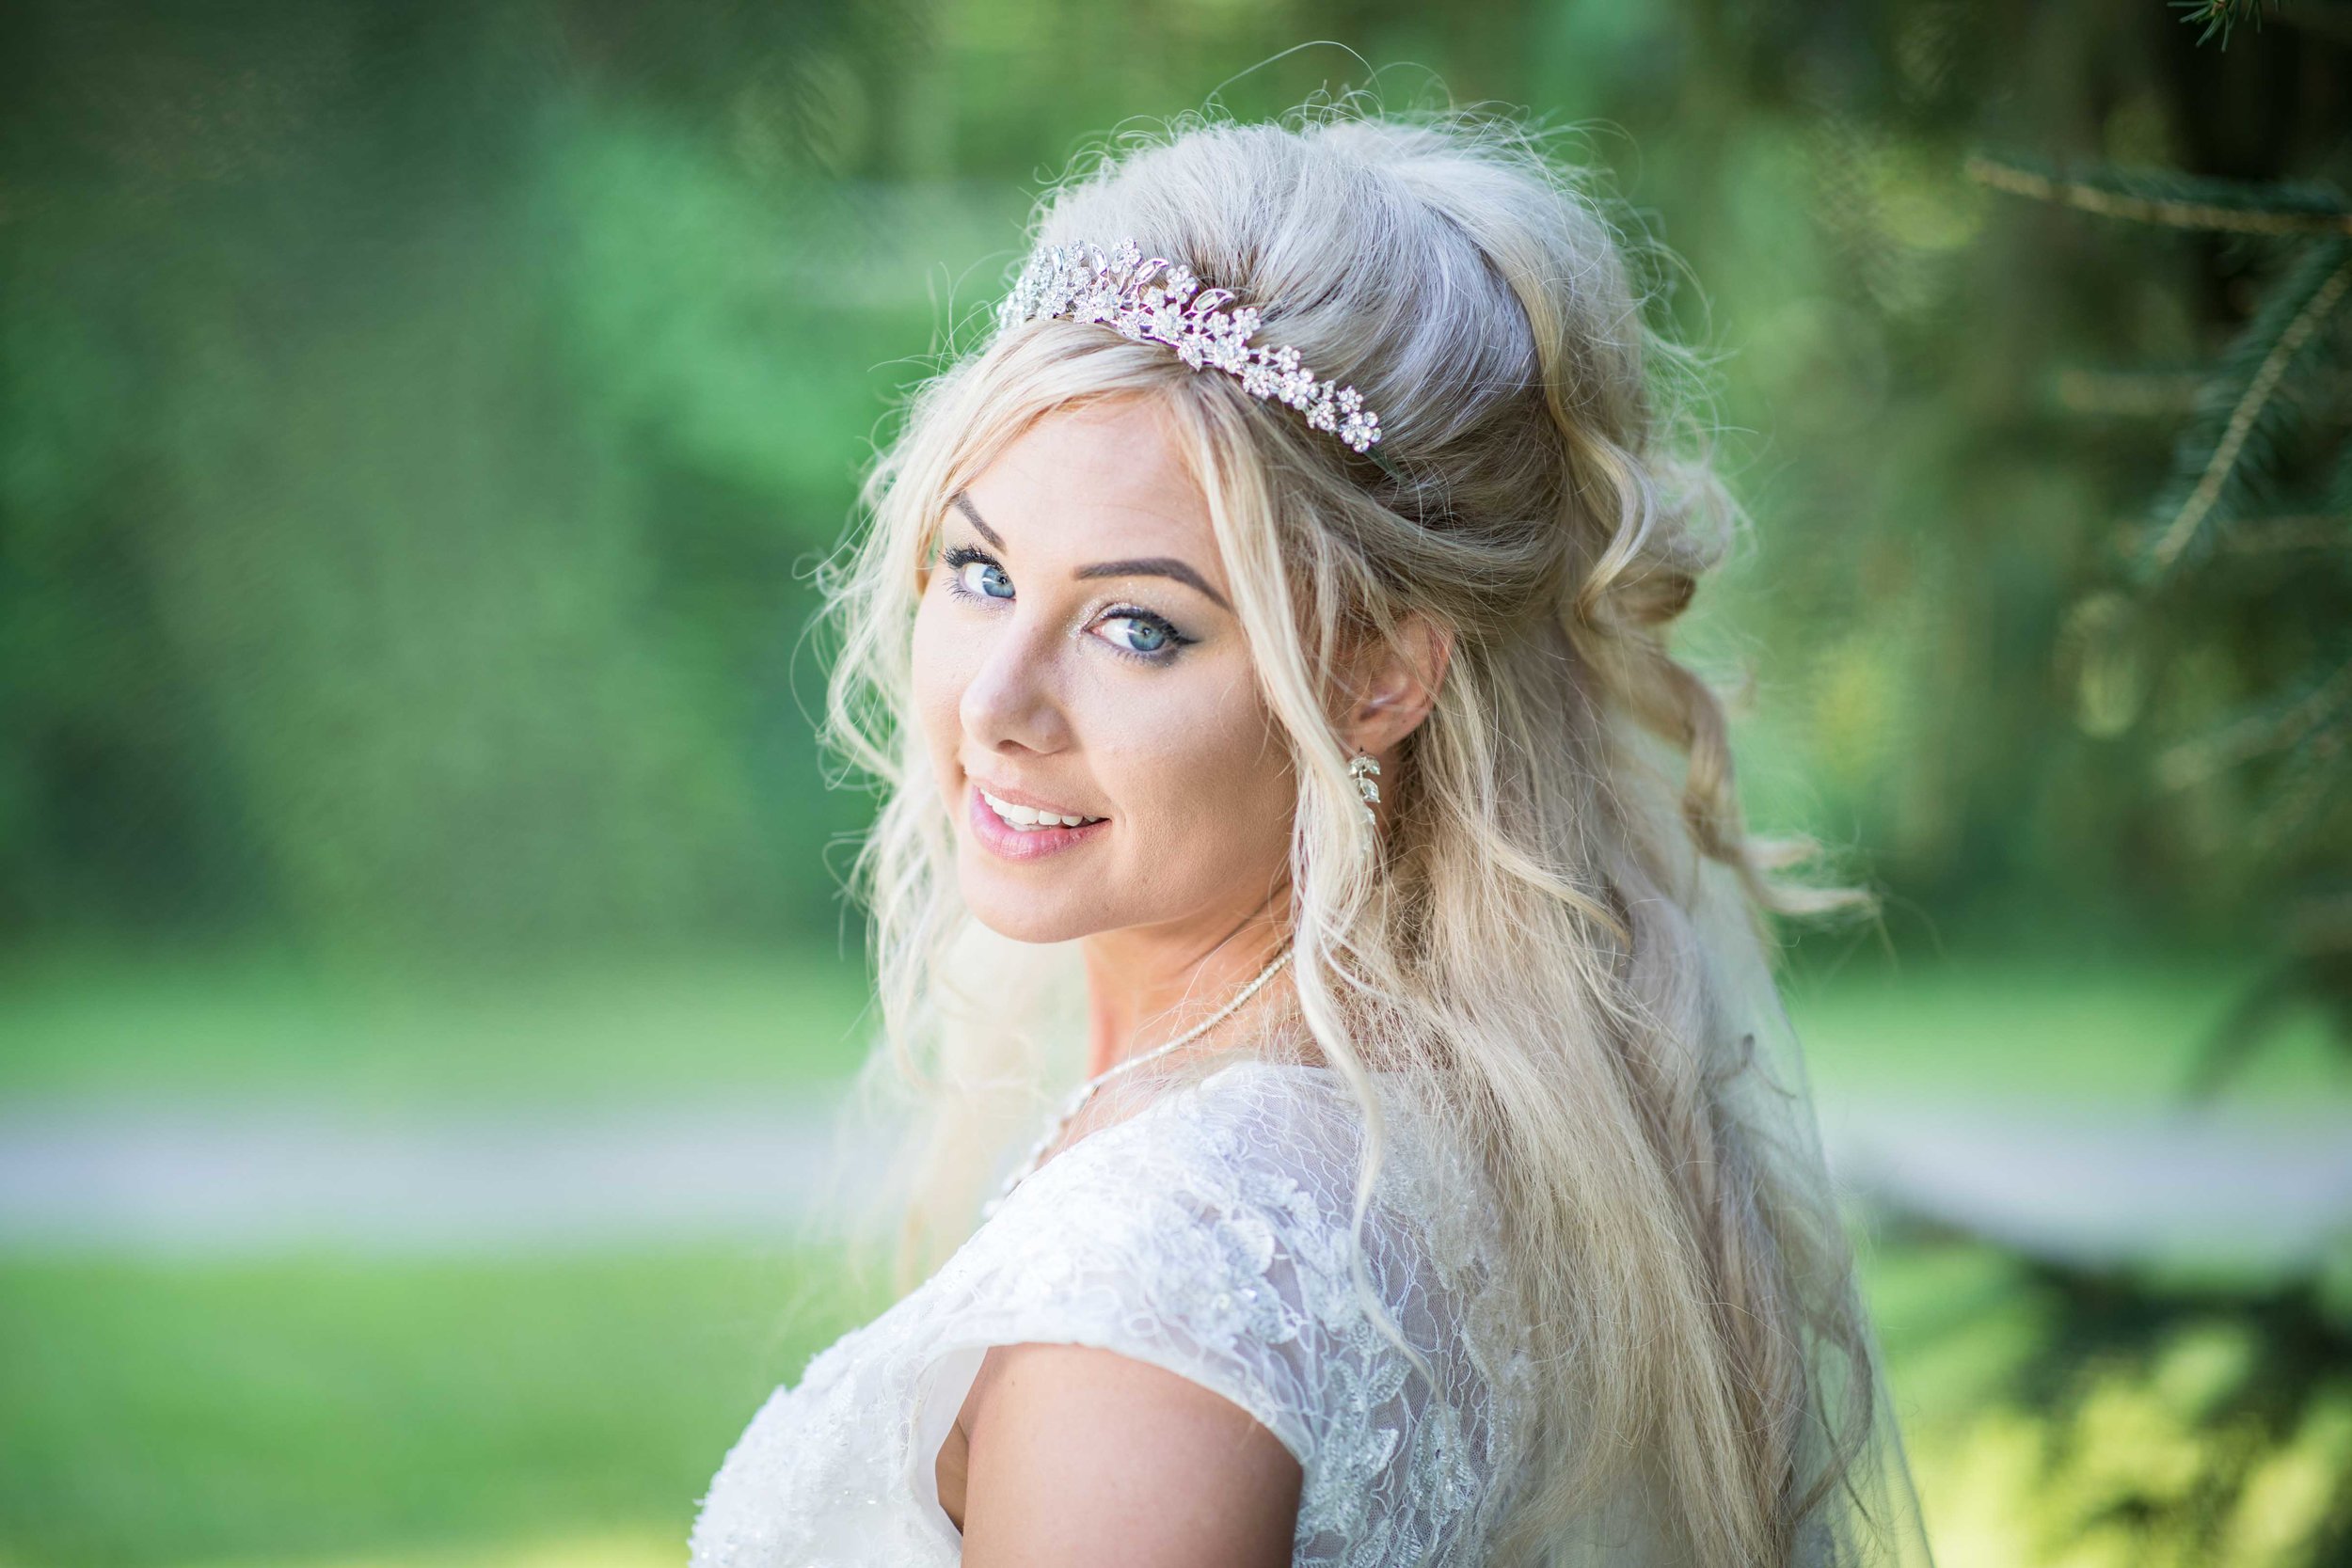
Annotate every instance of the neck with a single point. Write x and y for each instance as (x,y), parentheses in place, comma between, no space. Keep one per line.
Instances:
(1147,985)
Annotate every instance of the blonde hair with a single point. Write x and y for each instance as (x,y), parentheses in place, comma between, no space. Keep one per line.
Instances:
(1528,939)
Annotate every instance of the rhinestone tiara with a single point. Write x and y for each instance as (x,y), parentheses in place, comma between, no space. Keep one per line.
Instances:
(1154,300)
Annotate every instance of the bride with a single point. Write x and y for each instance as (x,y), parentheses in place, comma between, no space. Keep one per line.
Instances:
(1264,632)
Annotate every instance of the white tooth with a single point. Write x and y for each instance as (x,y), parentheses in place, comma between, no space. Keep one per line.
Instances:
(1026,817)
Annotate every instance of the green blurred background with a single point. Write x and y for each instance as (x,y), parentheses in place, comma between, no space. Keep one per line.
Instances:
(417,424)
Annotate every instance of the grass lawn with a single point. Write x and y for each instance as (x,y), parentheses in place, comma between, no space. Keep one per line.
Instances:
(328,1412)
(319,1412)
(2047,1030)
(716,1025)
(323,1413)
(593,1029)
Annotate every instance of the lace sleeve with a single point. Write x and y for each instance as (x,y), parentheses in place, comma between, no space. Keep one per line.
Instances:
(1211,1240)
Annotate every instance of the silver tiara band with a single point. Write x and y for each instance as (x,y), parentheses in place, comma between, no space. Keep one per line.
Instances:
(1152,299)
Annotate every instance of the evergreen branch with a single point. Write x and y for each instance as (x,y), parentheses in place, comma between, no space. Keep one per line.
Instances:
(2138,394)
(2339,490)
(2306,784)
(2321,923)
(2317,927)
(2222,14)
(2305,300)
(2172,201)
(2169,394)
(2254,1017)
(2276,727)
(2297,531)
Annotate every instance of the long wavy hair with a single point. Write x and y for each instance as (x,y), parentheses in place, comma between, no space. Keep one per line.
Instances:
(1526,941)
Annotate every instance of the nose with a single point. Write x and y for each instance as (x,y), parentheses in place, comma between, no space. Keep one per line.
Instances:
(1014,700)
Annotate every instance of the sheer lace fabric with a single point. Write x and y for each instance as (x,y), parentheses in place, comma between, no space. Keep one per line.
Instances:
(1208,1234)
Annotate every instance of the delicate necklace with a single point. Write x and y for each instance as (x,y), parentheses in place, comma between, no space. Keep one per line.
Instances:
(1086,1090)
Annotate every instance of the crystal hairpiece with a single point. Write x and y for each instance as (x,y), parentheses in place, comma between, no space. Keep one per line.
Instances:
(1083,283)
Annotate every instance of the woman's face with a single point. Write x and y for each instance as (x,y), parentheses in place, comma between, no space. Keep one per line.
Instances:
(1076,655)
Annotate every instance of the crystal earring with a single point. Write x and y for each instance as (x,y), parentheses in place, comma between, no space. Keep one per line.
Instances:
(1364,770)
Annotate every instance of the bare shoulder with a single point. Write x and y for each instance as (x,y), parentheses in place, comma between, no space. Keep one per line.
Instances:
(1081,1455)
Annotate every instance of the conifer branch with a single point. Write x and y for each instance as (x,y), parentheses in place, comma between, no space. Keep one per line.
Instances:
(2170,394)
(2302,787)
(2219,15)
(2173,203)
(2292,531)
(2324,19)
(2321,923)
(2317,304)
(2275,728)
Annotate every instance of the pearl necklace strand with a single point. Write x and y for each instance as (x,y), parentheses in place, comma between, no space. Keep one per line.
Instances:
(1077,1102)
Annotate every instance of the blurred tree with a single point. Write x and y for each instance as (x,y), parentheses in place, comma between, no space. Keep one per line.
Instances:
(413,423)
(2210,1421)
(2229,612)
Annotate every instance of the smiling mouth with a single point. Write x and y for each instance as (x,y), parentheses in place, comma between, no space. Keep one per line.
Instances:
(1029,819)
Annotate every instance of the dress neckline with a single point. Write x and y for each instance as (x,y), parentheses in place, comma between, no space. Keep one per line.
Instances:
(1162,1100)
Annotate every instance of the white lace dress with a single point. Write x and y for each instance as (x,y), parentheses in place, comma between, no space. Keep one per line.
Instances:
(1207,1234)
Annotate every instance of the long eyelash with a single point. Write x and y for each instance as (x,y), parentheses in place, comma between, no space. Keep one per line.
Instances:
(957,557)
(1136,612)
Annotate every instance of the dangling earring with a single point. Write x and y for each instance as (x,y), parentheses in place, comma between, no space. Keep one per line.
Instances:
(1364,770)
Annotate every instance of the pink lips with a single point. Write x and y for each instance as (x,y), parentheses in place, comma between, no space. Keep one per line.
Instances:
(1015,844)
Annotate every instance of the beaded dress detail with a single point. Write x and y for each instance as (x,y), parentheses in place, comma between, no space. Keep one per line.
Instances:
(1207,1234)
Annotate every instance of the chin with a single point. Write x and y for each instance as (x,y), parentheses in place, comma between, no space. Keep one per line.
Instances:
(1016,921)
(1035,915)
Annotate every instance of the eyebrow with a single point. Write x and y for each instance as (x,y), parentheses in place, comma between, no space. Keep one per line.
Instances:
(1150,566)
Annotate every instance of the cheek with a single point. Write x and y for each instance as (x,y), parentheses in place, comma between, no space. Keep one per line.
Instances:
(1205,776)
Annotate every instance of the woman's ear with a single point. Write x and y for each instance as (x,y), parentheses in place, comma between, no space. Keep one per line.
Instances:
(1395,685)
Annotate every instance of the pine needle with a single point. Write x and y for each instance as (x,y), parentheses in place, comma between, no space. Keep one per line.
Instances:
(2288,323)
(2171,200)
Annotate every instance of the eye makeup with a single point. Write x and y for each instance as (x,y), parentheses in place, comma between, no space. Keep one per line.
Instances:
(955,558)
(1158,626)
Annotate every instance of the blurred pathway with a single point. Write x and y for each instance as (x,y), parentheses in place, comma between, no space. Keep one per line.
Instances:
(2245,1185)
(189,1178)
(2252,1185)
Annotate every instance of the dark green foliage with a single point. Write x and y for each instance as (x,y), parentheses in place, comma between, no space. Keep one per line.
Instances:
(418,423)
(405,484)
(2245,562)
(2219,16)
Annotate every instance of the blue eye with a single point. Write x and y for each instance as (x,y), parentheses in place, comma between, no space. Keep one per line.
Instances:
(989,582)
(1138,634)
(1134,632)
(1142,634)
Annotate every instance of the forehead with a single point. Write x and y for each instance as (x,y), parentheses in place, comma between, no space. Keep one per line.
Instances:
(1095,479)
